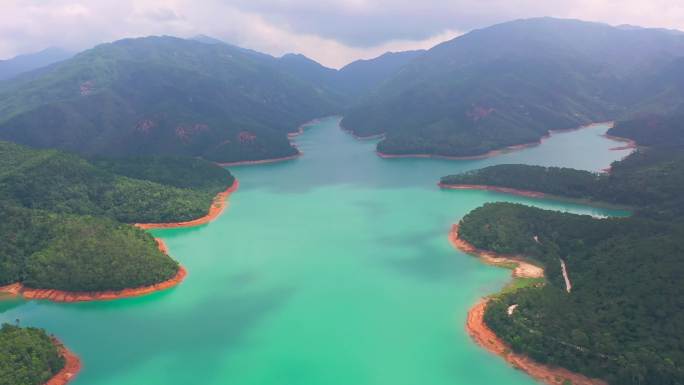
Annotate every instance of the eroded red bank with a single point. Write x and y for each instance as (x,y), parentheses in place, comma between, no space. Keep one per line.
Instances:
(17,289)
(485,337)
(72,362)
(72,365)
(217,206)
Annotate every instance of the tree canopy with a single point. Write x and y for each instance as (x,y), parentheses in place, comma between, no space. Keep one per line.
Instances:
(27,356)
(623,318)
(64,217)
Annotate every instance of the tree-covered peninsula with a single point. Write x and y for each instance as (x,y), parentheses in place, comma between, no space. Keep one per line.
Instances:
(28,356)
(618,315)
(619,319)
(65,218)
(648,180)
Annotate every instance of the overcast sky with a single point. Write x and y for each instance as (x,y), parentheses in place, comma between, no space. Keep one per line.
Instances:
(334,32)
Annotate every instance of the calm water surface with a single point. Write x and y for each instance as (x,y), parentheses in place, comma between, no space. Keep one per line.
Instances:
(331,269)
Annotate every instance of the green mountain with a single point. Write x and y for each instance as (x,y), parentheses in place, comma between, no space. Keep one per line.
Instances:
(62,216)
(162,95)
(361,77)
(510,83)
(350,82)
(169,96)
(653,130)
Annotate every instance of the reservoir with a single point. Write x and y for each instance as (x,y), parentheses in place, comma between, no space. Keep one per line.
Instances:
(332,269)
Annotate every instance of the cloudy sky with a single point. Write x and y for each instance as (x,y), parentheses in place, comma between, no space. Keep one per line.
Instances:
(333,32)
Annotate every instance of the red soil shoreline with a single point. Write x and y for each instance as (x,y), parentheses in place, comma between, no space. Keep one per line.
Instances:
(523,268)
(217,207)
(215,210)
(492,153)
(70,296)
(300,130)
(507,190)
(72,363)
(630,144)
(72,366)
(486,338)
(17,289)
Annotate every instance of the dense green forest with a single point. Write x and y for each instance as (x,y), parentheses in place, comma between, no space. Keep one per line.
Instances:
(162,96)
(128,190)
(27,356)
(510,83)
(171,96)
(653,130)
(649,180)
(77,253)
(62,216)
(623,319)
(495,87)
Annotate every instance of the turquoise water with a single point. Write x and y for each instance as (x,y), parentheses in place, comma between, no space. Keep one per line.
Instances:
(331,269)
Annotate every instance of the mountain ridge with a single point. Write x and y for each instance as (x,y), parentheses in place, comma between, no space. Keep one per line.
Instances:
(510,83)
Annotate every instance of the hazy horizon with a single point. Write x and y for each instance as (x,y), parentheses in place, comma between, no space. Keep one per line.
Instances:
(333,33)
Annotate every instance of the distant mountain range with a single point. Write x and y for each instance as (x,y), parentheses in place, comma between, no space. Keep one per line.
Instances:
(510,83)
(23,63)
(491,88)
(165,95)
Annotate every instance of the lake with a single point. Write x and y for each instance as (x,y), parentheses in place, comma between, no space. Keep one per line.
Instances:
(334,268)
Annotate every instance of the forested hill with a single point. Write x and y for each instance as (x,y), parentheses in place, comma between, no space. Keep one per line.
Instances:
(354,80)
(129,190)
(27,356)
(171,96)
(510,83)
(362,77)
(62,216)
(162,96)
(649,180)
(663,131)
(622,318)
